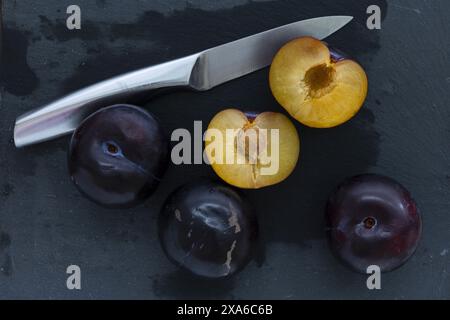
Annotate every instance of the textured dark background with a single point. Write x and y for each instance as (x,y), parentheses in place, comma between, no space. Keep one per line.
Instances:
(403,131)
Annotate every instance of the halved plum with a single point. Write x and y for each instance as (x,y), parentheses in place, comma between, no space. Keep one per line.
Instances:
(315,85)
(264,147)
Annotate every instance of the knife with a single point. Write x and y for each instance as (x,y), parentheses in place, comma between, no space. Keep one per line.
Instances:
(199,71)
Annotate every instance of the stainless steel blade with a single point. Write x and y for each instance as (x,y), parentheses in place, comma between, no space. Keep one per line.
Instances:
(200,71)
(238,58)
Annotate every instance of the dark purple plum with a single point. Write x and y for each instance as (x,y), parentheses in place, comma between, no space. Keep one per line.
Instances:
(372,220)
(208,229)
(118,155)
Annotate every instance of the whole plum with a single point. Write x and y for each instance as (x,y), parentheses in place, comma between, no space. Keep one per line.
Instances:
(208,229)
(372,220)
(118,155)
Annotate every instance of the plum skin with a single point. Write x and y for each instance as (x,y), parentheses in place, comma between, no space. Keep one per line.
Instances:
(118,155)
(208,229)
(372,220)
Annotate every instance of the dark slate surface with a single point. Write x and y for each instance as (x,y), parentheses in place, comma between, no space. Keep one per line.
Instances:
(403,131)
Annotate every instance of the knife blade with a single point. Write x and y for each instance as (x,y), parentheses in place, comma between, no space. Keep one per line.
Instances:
(238,58)
(200,71)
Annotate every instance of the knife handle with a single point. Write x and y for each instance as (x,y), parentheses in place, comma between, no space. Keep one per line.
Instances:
(64,115)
